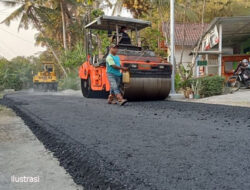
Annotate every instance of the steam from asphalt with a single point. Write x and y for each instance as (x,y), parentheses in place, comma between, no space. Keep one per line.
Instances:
(68,92)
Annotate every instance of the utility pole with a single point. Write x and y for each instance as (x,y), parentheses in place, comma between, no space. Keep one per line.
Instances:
(172,46)
(63,26)
(220,50)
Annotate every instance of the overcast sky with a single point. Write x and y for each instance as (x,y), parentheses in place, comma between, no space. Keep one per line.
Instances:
(13,42)
(20,43)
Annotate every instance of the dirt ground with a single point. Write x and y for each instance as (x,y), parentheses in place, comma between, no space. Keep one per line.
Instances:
(144,145)
(21,154)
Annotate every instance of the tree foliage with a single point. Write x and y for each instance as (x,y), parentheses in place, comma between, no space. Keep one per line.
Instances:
(137,7)
(18,72)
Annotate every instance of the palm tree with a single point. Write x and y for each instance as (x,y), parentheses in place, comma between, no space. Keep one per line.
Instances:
(62,6)
(30,12)
(66,15)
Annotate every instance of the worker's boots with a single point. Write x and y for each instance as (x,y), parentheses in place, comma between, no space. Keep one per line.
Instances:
(111,99)
(121,100)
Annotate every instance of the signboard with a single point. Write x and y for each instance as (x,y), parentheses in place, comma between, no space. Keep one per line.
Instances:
(202,63)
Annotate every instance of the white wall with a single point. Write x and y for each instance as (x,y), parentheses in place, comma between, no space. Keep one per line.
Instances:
(186,57)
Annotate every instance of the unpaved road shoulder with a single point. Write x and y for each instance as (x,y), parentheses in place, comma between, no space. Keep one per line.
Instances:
(21,154)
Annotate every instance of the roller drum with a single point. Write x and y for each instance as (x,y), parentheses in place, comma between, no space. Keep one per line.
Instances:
(147,88)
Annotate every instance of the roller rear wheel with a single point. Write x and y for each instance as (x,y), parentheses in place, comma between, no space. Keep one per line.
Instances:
(87,92)
(86,88)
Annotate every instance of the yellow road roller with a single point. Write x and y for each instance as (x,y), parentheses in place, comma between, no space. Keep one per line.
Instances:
(46,80)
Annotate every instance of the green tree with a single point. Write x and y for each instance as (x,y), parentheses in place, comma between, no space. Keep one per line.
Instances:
(17,73)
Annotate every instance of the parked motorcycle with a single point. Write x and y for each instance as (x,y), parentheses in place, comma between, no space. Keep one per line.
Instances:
(241,77)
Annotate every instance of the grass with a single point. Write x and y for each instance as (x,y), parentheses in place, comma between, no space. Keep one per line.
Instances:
(1,94)
(71,82)
(2,108)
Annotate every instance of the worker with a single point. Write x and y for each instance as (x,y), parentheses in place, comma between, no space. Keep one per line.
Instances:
(114,69)
(123,36)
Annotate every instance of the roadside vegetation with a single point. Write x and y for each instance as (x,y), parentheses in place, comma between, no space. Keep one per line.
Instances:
(60,25)
(17,73)
(206,86)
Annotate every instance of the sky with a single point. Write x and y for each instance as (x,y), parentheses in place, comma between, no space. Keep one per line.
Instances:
(13,42)
(20,43)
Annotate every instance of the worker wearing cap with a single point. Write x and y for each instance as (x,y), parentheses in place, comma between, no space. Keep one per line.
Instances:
(114,75)
(123,37)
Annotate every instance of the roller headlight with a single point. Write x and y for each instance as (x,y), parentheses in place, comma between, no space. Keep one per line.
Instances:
(134,66)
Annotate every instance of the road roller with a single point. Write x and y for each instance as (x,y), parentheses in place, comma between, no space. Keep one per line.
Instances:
(45,80)
(149,75)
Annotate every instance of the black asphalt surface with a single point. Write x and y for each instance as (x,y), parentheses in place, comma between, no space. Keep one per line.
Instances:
(144,145)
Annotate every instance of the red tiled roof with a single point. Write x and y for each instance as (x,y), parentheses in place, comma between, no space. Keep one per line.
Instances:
(193,32)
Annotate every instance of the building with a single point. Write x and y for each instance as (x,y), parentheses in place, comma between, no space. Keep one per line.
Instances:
(186,36)
(224,44)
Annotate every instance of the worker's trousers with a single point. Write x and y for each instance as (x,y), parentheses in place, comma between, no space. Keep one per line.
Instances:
(115,83)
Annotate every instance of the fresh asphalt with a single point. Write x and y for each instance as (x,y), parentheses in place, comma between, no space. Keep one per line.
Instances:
(144,145)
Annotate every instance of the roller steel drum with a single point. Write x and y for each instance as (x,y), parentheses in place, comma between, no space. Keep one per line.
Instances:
(147,88)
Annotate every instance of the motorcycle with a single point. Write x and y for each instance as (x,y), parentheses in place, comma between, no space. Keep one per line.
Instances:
(241,78)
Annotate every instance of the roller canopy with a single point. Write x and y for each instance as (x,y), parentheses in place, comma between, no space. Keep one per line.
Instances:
(109,23)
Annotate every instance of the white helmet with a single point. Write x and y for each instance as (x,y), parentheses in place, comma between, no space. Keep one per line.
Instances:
(244,61)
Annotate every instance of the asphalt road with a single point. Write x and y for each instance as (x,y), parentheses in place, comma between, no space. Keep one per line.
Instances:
(144,145)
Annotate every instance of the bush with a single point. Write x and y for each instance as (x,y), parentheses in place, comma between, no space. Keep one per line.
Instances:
(70,82)
(16,74)
(178,82)
(73,58)
(210,85)
(12,81)
(9,78)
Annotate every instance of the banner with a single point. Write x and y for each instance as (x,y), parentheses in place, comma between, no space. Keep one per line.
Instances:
(211,39)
